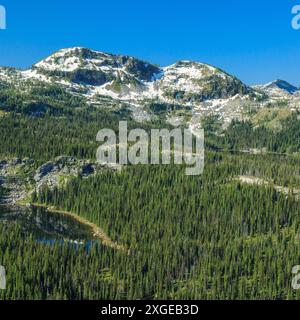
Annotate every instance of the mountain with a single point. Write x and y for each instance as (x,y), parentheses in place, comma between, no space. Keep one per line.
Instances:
(88,67)
(80,76)
(283,85)
(278,88)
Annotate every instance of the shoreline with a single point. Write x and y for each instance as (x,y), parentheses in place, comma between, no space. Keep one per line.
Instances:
(97,231)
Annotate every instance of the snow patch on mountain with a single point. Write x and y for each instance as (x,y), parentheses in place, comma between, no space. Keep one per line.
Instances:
(278,89)
(110,81)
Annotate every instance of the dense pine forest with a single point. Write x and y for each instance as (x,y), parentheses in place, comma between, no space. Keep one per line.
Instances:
(149,152)
(73,133)
(200,238)
(221,240)
(203,237)
(56,271)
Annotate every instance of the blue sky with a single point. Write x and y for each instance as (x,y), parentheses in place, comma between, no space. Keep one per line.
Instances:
(253,40)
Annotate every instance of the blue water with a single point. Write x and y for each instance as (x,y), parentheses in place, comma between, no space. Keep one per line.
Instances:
(48,227)
(87,245)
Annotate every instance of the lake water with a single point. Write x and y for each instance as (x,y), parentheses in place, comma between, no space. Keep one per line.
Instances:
(46,226)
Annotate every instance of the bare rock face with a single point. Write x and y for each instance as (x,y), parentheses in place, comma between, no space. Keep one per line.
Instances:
(11,181)
(44,170)
(57,172)
(19,178)
(87,169)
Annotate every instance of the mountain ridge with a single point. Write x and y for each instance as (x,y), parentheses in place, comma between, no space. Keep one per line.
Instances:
(110,81)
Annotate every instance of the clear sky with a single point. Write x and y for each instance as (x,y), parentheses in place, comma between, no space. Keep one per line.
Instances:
(253,39)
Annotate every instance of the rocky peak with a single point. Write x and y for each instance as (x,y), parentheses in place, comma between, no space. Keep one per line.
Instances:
(85,66)
(282,85)
(197,82)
